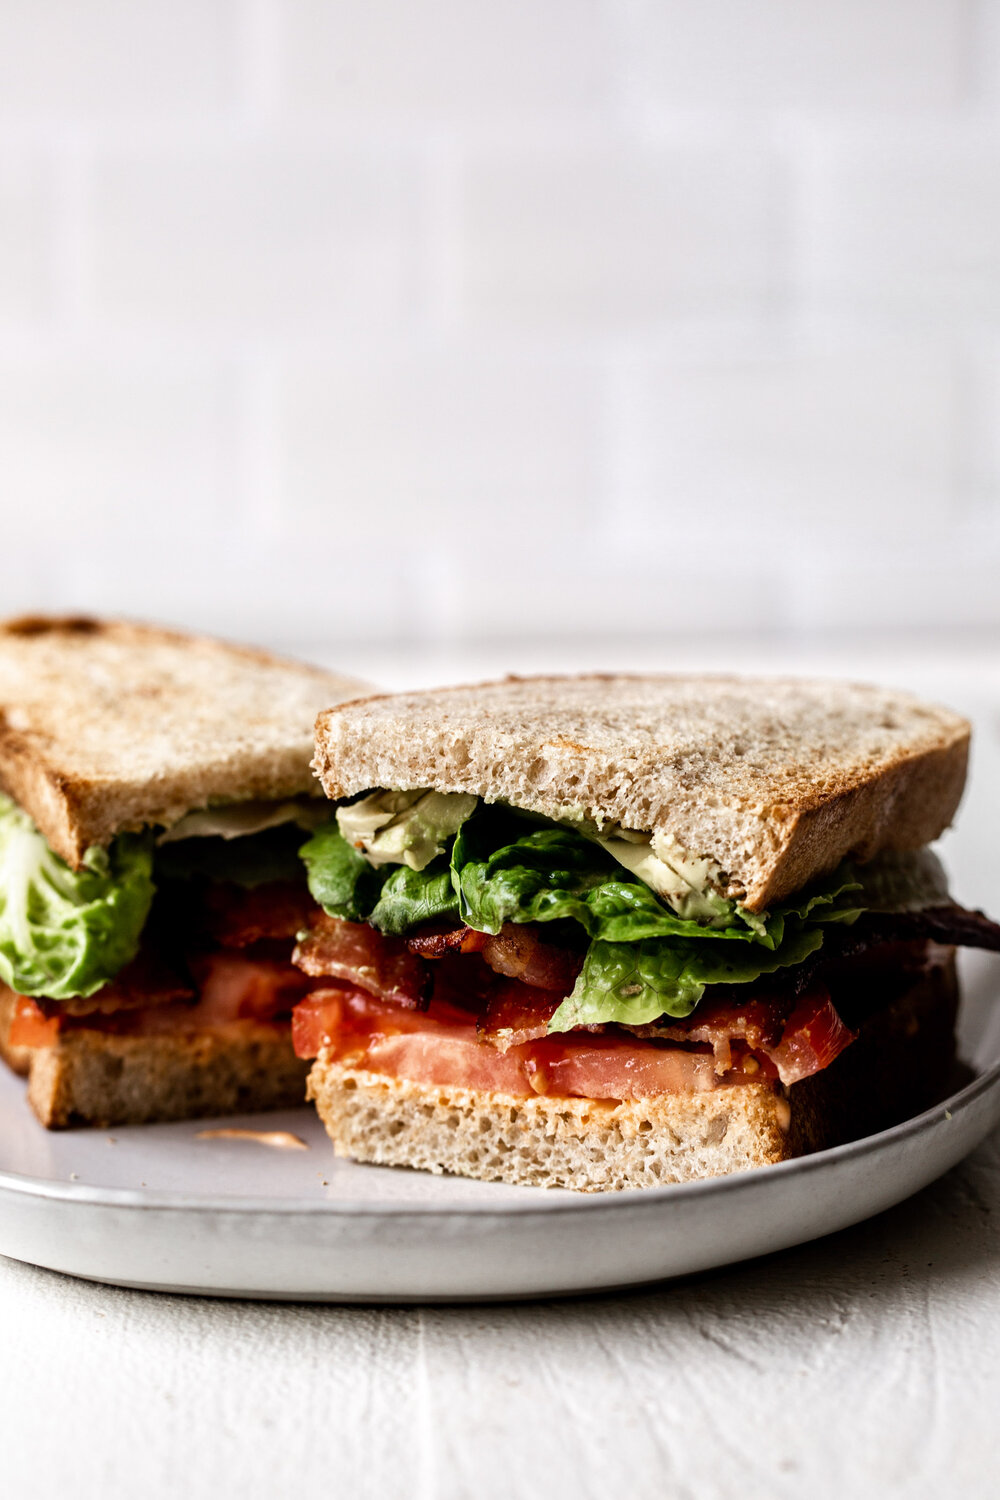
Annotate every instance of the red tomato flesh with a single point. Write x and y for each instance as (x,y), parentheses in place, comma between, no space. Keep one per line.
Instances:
(30,1027)
(440,1046)
(813,1037)
(231,988)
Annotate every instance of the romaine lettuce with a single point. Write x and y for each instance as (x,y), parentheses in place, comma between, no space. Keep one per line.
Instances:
(633,984)
(504,874)
(340,878)
(506,867)
(393,898)
(550,873)
(410,897)
(67,932)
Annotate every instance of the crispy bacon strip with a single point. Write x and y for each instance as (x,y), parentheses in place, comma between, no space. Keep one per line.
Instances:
(236,917)
(454,940)
(355,952)
(719,1023)
(951,925)
(464,981)
(516,951)
(798,1044)
(519,953)
(516,1013)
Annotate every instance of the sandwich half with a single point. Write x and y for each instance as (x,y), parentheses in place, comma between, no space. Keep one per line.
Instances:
(154,790)
(615,932)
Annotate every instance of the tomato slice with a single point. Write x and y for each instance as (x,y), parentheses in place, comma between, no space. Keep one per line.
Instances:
(611,1067)
(30,1027)
(341,1015)
(813,1037)
(232,987)
(440,1046)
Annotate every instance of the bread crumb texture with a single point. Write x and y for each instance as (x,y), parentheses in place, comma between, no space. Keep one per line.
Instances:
(97,1078)
(777,779)
(587,1144)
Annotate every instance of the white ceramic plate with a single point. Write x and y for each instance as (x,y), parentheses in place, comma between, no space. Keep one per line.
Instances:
(155,1207)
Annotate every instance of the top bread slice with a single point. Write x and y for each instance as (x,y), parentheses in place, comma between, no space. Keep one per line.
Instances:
(107,726)
(777,779)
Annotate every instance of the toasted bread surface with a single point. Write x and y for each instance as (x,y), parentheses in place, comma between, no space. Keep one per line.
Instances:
(897,1067)
(97,1078)
(590,1145)
(776,779)
(107,725)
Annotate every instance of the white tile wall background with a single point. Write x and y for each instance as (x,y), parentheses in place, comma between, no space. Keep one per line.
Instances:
(428,321)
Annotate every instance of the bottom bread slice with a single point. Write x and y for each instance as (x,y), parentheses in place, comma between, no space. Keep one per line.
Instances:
(899,1064)
(97,1078)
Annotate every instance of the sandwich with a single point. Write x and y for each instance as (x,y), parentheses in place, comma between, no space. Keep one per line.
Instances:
(154,790)
(614,932)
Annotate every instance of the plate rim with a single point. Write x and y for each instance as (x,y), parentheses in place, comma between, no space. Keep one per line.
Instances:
(171,1200)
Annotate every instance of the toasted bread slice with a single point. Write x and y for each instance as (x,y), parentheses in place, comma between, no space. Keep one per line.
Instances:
(106,726)
(898,1066)
(98,1078)
(92,1076)
(776,779)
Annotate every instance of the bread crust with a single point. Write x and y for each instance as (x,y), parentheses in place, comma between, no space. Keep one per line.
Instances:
(776,779)
(108,725)
(897,1067)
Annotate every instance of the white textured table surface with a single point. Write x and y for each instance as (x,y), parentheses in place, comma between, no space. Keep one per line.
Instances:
(867,1364)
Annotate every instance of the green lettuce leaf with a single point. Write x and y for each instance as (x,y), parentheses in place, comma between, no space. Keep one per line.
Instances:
(839,897)
(503,874)
(67,932)
(340,878)
(644,960)
(633,984)
(393,899)
(410,897)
